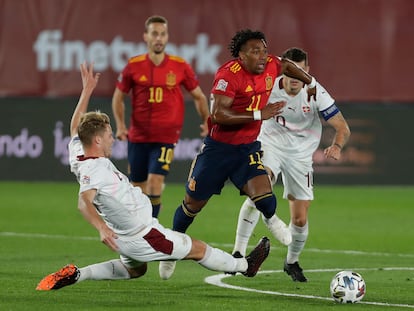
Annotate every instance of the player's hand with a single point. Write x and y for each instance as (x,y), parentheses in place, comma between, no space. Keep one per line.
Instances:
(108,238)
(121,133)
(204,129)
(89,79)
(333,152)
(311,93)
(272,109)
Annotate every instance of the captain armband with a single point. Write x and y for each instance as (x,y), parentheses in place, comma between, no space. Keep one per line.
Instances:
(329,112)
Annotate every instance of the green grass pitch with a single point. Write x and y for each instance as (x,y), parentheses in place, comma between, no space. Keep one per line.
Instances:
(368,229)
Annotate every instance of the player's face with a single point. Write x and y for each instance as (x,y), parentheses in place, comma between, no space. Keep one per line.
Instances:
(156,37)
(107,142)
(293,86)
(254,56)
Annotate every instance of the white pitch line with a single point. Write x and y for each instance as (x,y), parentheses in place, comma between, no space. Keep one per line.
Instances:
(47,236)
(333,251)
(221,245)
(216,280)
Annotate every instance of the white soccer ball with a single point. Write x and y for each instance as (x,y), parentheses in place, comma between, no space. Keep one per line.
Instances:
(348,287)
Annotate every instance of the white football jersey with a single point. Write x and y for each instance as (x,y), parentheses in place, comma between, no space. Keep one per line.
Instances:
(125,209)
(296,132)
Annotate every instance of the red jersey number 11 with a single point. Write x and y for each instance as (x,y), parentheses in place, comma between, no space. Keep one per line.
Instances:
(255,103)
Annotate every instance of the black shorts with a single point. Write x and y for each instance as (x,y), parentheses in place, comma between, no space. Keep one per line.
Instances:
(146,158)
(218,162)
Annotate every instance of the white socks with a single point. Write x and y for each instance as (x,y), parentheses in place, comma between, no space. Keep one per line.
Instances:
(218,260)
(108,270)
(248,218)
(299,237)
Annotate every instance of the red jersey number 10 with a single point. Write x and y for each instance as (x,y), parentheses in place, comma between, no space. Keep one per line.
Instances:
(155,95)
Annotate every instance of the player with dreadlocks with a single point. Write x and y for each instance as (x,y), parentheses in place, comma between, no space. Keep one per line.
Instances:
(238,105)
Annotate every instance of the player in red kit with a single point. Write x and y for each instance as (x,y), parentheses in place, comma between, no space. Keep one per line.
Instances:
(239,98)
(155,80)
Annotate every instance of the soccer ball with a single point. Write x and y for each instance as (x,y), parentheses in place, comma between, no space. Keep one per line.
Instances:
(347,287)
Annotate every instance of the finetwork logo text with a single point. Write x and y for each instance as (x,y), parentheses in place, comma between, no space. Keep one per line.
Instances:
(56,54)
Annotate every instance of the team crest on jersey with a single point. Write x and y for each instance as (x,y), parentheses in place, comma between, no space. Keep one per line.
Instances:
(221,85)
(306,108)
(171,79)
(269,83)
(191,184)
(85,180)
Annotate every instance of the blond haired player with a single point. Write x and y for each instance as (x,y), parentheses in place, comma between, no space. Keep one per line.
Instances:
(122,214)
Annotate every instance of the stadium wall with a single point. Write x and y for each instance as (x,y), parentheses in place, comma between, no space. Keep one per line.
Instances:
(358,50)
(35,134)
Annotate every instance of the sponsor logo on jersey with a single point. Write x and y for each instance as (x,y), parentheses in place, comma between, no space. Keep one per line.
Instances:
(119,175)
(143,78)
(248,89)
(221,85)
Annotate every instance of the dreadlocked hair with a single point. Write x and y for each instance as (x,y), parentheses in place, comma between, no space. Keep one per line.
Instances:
(241,37)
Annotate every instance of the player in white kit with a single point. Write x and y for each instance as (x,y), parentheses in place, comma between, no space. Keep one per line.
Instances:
(122,214)
(288,143)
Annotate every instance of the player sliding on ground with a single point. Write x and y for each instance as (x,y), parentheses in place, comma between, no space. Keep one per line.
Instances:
(122,214)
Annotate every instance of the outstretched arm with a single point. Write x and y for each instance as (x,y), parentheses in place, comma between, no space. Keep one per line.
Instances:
(222,113)
(291,70)
(89,82)
(88,211)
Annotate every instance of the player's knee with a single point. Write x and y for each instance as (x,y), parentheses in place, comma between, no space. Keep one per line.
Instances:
(192,205)
(198,250)
(266,203)
(299,222)
(138,271)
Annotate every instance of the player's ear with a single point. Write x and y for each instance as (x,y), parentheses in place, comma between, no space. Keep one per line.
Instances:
(242,55)
(97,139)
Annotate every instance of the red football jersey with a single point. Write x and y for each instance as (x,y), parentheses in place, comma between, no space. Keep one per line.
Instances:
(157,99)
(249,92)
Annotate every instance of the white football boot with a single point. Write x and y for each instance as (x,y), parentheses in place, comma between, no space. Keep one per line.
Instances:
(279,229)
(166,269)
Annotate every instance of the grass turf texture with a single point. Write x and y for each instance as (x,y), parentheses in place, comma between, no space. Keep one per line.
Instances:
(350,228)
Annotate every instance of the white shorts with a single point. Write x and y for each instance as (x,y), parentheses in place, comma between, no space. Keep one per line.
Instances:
(297,175)
(153,244)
